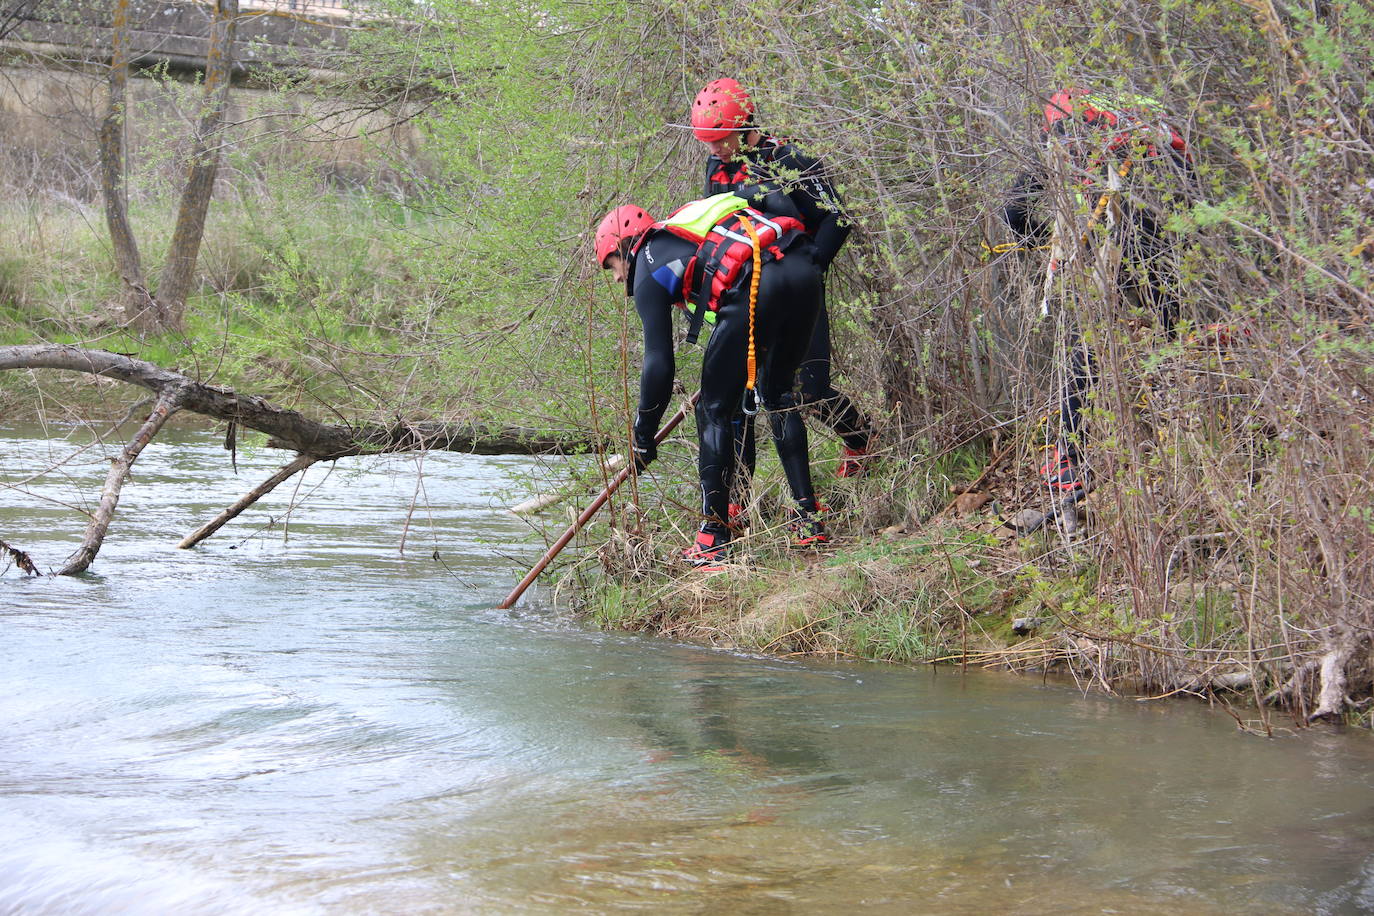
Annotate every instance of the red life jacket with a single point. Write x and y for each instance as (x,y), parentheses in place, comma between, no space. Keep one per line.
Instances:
(724,250)
(766,153)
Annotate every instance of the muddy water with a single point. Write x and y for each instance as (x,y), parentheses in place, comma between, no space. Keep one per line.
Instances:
(321,723)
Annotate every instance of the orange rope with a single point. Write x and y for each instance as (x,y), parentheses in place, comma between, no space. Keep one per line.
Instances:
(753,302)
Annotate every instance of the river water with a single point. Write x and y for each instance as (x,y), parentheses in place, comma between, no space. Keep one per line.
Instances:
(298,717)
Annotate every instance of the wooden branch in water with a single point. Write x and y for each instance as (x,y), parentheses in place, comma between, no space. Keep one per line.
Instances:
(299,463)
(288,429)
(168,402)
(20,558)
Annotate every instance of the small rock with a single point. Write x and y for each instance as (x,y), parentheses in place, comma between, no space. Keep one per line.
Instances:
(893,531)
(1023,625)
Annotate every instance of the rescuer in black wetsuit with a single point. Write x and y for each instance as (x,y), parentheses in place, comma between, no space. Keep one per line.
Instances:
(1103,134)
(672,263)
(723,119)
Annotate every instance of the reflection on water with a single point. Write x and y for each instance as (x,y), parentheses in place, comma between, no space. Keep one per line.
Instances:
(322,723)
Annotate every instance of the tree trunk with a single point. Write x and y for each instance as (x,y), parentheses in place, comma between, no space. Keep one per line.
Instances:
(312,440)
(140,311)
(179,271)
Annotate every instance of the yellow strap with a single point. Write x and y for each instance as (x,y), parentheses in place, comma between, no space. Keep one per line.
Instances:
(1004,247)
(753,300)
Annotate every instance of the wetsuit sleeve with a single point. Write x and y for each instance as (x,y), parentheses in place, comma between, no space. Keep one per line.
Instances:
(1019,209)
(655,310)
(829,239)
(767,199)
(817,201)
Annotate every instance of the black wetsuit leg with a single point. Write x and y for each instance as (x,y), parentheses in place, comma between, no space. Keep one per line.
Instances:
(1073,396)
(746,455)
(723,374)
(835,409)
(790,301)
(1147,273)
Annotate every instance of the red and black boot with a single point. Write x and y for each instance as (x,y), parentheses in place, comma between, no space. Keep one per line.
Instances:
(806,529)
(852,462)
(710,551)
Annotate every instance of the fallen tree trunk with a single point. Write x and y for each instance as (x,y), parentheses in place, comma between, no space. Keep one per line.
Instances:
(311,440)
(289,429)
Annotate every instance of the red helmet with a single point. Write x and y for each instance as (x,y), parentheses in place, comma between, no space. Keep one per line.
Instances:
(1060,106)
(721,107)
(624,222)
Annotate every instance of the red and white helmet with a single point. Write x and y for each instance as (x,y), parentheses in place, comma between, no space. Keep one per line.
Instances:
(624,222)
(721,107)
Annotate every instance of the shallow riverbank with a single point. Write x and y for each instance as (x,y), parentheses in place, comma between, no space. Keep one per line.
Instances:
(958,589)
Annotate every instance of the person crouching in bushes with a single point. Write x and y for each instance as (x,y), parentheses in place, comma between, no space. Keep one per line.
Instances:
(749,271)
(1109,148)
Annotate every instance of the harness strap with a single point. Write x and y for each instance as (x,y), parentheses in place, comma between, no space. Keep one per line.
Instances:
(1101,209)
(707,267)
(1057,255)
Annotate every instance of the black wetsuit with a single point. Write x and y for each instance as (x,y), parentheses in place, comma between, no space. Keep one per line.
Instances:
(804,181)
(1146,274)
(788,299)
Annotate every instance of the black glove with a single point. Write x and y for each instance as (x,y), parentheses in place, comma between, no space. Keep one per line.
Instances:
(645,450)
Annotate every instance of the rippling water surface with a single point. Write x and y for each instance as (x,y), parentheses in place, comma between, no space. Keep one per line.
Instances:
(298,717)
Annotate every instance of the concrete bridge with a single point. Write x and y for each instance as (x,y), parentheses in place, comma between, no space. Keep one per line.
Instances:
(174,33)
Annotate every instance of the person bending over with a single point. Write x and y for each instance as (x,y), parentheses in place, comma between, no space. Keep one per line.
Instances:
(701,260)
